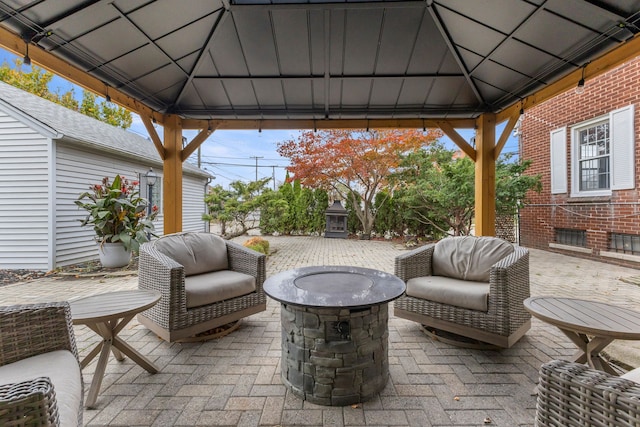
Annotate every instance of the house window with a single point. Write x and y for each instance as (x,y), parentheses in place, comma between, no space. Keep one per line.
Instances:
(624,243)
(593,160)
(568,236)
(602,155)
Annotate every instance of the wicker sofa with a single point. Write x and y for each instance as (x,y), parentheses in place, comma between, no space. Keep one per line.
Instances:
(571,394)
(469,286)
(40,377)
(205,282)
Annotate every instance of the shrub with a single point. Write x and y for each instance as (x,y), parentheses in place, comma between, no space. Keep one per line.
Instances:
(258,244)
(117,213)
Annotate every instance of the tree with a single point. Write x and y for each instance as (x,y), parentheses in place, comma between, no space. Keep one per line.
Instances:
(215,202)
(37,82)
(293,208)
(353,164)
(104,111)
(438,188)
(235,206)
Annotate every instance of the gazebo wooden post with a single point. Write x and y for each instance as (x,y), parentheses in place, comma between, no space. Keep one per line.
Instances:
(485,180)
(172,174)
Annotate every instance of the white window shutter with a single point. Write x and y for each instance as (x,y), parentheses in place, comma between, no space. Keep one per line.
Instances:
(559,161)
(622,149)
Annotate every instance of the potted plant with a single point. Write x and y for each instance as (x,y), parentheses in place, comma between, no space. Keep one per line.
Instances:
(119,218)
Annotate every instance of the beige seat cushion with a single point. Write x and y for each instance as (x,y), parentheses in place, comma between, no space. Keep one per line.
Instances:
(633,375)
(445,290)
(63,370)
(468,257)
(208,288)
(197,252)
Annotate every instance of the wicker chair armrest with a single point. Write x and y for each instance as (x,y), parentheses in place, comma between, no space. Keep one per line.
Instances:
(415,263)
(32,402)
(574,394)
(247,261)
(158,272)
(32,329)
(509,282)
(518,259)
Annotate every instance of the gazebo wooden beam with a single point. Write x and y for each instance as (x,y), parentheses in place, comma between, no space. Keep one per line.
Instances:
(449,130)
(154,136)
(511,124)
(485,177)
(196,142)
(172,175)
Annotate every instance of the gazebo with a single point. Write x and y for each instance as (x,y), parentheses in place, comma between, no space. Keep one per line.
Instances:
(257,64)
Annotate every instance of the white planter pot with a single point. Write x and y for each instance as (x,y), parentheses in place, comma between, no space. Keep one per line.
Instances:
(113,255)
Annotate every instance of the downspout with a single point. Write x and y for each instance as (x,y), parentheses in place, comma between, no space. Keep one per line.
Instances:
(52,221)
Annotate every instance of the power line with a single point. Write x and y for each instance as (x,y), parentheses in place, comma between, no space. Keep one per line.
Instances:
(243,165)
(241,158)
(229,172)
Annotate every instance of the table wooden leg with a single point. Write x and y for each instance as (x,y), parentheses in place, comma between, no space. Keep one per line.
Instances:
(134,355)
(113,332)
(581,341)
(589,350)
(98,375)
(595,346)
(89,357)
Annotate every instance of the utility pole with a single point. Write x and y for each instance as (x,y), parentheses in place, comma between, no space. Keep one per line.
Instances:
(257,157)
(273,174)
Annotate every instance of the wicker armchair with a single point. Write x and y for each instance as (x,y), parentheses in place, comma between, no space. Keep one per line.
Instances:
(570,394)
(171,263)
(501,319)
(30,337)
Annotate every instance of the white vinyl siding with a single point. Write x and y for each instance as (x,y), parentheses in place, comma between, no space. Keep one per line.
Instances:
(559,161)
(76,171)
(49,156)
(192,203)
(24,196)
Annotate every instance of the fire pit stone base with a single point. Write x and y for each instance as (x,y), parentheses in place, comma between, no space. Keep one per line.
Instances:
(335,356)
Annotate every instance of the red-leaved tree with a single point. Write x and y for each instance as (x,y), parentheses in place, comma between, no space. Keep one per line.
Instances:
(353,163)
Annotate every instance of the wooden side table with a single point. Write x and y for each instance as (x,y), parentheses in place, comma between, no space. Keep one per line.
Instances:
(590,325)
(107,314)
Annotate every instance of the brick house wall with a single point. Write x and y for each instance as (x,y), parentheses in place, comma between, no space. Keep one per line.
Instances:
(597,217)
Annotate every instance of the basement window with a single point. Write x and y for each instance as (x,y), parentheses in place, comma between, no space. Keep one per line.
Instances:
(624,243)
(571,237)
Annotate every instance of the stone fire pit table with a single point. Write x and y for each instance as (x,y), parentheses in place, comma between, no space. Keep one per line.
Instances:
(334,331)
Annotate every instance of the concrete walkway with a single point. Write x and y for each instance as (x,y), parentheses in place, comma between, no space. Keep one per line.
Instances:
(235,380)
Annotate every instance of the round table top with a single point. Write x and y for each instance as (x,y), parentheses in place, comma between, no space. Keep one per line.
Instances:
(111,305)
(334,287)
(588,317)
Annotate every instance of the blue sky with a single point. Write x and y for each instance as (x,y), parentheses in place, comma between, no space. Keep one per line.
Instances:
(231,155)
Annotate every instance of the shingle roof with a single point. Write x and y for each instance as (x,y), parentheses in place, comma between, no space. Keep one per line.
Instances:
(79,127)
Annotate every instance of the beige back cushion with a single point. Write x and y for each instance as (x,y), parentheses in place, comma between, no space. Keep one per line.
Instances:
(468,257)
(196,252)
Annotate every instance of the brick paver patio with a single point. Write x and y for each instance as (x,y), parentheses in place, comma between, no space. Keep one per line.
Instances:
(235,380)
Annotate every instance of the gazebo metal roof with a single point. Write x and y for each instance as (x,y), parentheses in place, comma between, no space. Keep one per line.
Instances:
(270,59)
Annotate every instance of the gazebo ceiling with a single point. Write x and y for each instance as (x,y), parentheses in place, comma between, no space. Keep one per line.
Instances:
(270,59)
